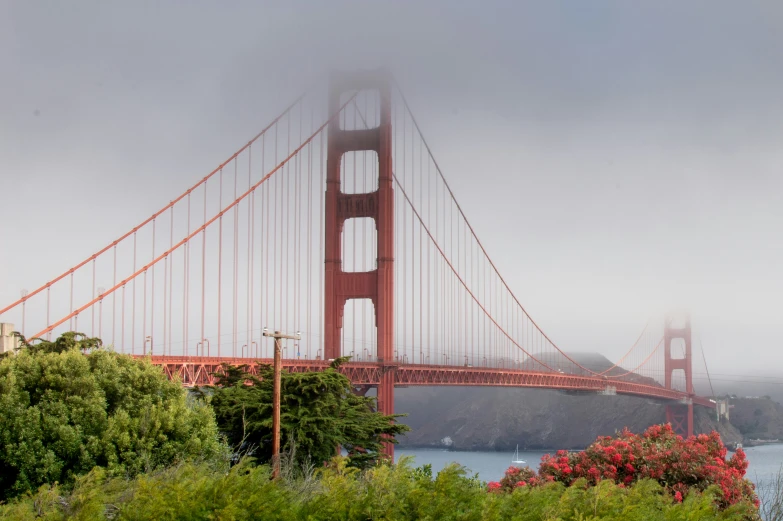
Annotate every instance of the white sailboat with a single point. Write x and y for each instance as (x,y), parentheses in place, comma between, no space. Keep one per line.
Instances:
(516,458)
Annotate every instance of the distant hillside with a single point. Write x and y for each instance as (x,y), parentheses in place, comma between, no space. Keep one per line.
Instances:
(771,388)
(495,418)
(757,418)
(594,362)
(476,418)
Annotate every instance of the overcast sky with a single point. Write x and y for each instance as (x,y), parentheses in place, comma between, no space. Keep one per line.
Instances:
(646,139)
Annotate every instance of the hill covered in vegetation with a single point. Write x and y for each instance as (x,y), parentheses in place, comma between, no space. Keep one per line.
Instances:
(495,418)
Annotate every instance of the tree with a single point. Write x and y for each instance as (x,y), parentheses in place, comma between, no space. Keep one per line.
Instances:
(65,411)
(319,412)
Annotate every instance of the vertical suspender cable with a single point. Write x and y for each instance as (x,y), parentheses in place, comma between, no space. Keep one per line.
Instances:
(203,270)
(100,318)
(92,308)
(421,256)
(275,248)
(133,305)
(300,259)
(343,185)
(220,264)
(144,315)
(267,271)
(165,300)
(355,245)
(113,300)
(404,241)
(249,279)
(24,305)
(262,309)
(171,278)
(413,247)
(122,319)
(236,267)
(286,238)
(310,263)
(152,291)
(432,282)
(70,323)
(321,233)
(48,303)
(186,291)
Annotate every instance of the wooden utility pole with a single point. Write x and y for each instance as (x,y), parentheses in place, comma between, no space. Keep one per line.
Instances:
(278,336)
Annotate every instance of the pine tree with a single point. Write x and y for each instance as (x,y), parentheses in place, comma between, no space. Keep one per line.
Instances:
(319,412)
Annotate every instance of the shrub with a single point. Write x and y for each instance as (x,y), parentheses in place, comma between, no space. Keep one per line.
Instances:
(64,412)
(390,492)
(681,466)
(513,478)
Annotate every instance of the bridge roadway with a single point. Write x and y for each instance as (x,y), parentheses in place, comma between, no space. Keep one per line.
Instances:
(198,370)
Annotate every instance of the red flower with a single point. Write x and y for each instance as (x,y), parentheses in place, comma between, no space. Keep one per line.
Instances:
(659,454)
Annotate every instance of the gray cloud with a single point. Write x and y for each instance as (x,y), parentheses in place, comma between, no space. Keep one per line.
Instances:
(638,144)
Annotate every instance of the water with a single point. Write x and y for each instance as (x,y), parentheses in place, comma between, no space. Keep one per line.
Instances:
(763,462)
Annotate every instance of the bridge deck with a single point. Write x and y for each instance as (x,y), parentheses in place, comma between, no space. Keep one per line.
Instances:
(199,371)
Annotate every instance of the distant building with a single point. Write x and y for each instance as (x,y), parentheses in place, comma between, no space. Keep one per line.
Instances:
(8,341)
(722,409)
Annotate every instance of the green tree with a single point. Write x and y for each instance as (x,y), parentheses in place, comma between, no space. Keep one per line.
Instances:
(71,405)
(319,412)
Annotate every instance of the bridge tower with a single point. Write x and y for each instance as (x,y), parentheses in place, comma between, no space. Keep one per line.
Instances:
(376,285)
(680,415)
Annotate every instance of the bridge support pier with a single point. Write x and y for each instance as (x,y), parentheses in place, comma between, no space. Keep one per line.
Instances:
(679,415)
(378,284)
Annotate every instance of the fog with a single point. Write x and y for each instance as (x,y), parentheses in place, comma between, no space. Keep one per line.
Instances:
(648,133)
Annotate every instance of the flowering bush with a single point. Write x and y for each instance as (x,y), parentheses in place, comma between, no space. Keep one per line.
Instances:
(679,465)
(513,478)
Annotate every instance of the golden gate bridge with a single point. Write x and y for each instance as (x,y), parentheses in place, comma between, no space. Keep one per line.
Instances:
(336,221)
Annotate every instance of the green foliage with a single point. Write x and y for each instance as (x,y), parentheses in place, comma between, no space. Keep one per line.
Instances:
(319,412)
(65,412)
(390,492)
